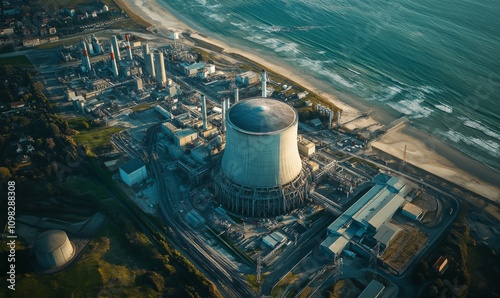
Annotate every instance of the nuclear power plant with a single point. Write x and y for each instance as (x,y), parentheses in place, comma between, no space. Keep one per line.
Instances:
(261,174)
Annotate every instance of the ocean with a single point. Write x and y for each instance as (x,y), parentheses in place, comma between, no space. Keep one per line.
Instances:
(435,61)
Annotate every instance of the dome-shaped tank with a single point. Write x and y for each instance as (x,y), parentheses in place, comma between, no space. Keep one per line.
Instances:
(53,249)
(262,158)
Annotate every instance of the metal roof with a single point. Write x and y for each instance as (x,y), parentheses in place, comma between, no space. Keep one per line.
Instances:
(386,232)
(261,115)
(50,241)
(131,166)
(372,290)
(335,244)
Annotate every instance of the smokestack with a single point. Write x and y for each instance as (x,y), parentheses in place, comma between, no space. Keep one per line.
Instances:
(236,95)
(86,59)
(129,49)
(204,111)
(228,104)
(161,76)
(223,115)
(338,118)
(145,50)
(150,66)
(114,65)
(116,48)
(264,86)
(330,118)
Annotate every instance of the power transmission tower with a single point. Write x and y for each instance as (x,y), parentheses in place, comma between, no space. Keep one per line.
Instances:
(374,258)
(403,165)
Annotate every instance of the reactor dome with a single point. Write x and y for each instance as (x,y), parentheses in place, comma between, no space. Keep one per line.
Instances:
(261,174)
(53,249)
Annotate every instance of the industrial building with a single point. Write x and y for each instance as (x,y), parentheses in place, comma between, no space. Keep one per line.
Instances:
(306,147)
(261,174)
(371,213)
(190,70)
(195,219)
(273,239)
(412,211)
(333,246)
(185,136)
(247,78)
(133,171)
(373,290)
(53,249)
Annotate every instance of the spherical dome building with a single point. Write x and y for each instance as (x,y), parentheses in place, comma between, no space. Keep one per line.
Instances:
(53,249)
(261,174)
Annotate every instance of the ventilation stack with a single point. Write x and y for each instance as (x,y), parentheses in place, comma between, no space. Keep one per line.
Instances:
(116,48)
(338,118)
(150,66)
(86,58)
(204,111)
(145,50)
(129,49)
(223,103)
(114,64)
(236,95)
(161,77)
(264,85)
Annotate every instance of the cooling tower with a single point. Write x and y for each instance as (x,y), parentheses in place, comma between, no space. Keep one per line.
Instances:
(261,174)
(53,249)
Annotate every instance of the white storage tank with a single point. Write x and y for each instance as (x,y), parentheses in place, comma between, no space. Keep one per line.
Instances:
(53,249)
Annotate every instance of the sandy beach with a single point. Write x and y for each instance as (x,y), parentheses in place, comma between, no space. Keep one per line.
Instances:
(423,151)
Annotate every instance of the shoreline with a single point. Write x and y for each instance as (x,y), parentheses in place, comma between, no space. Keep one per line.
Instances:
(430,153)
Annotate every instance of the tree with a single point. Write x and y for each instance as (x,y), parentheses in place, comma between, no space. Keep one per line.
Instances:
(5,174)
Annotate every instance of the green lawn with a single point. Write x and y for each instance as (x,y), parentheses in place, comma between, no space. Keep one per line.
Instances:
(21,61)
(96,137)
(85,185)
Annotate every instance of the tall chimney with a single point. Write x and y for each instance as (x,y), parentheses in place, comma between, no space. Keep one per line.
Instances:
(114,65)
(338,118)
(223,115)
(204,111)
(264,85)
(116,48)
(129,49)
(236,95)
(145,50)
(86,58)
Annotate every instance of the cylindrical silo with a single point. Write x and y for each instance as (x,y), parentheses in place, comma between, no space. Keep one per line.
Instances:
(261,173)
(53,249)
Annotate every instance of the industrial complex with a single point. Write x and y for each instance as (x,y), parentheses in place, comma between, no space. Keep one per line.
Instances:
(250,176)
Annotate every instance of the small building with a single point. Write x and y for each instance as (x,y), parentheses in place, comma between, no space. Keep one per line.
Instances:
(273,239)
(373,290)
(195,219)
(412,211)
(441,265)
(306,147)
(316,122)
(201,154)
(247,78)
(169,128)
(386,233)
(333,246)
(185,136)
(313,166)
(192,70)
(133,171)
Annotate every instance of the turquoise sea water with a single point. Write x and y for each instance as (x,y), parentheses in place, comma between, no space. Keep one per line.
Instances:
(436,61)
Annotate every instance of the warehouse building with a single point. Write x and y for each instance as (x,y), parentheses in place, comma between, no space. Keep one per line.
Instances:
(133,171)
(412,211)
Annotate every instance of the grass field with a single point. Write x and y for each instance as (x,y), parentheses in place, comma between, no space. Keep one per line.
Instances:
(96,137)
(21,61)
(283,284)
(97,274)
